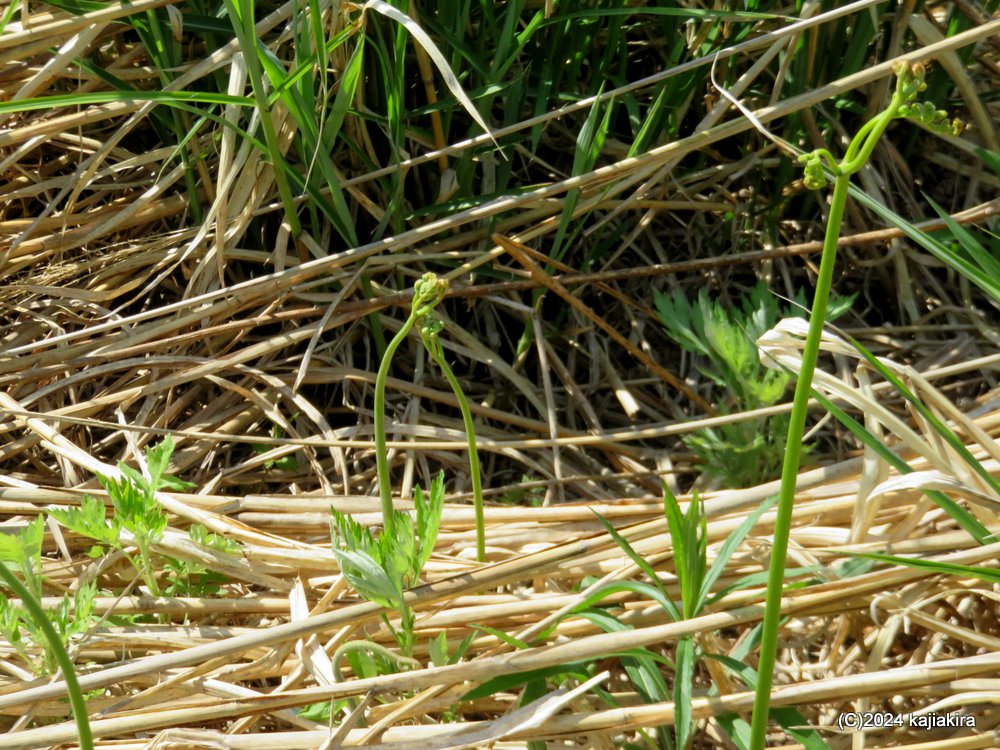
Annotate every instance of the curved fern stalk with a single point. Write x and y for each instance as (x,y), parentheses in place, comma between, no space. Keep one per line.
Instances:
(429,332)
(427,293)
(909,83)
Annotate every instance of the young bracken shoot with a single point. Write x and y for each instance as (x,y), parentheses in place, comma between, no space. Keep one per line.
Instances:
(909,84)
(381,568)
(427,293)
(429,332)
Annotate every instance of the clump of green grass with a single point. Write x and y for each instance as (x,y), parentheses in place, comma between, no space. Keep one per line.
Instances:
(696,578)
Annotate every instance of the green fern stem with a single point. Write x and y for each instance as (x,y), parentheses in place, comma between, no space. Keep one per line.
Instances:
(429,333)
(909,83)
(372,648)
(381,457)
(790,468)
(427,292)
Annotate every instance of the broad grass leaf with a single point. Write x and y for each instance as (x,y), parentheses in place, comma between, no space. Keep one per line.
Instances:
(683,683)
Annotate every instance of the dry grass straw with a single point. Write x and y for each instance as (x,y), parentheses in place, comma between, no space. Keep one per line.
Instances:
(125,321)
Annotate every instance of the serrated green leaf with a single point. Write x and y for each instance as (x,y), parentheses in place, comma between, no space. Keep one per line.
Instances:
(89,520)
(437,648)
(133,475)
(157,461)
(429,518)
(10,620)
(201,535)
(24,547)
(683,322)
(83,607)
(368,578)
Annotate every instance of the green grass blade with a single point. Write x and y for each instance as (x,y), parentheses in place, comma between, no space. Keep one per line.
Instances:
(683,679)
(684,540)
(241,15)
(508,681)
(790,719)
(945,432)
(991,159)
(173,98)
(727,549)
(641,665)
(976,254)
(636,587)
(345,94)
(644,566)
(450,80)
(962,264)
(589,143)
(317,151)
(989,575)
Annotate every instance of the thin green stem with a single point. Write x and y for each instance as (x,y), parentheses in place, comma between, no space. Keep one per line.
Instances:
(427,292)
(909,83)
(860,138)
(790,468)
(470,431)
(381,457)
(147,570)
(76,699)
(864,142)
